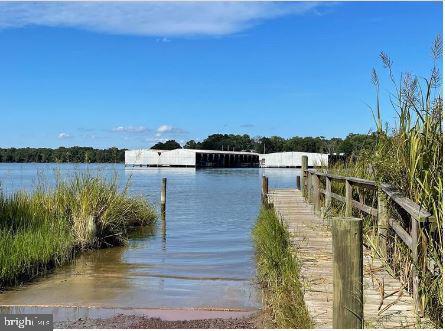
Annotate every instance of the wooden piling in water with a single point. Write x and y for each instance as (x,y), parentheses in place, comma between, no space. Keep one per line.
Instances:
(304,175)
(298,183)
(264,190)
(347,236)
(163,196)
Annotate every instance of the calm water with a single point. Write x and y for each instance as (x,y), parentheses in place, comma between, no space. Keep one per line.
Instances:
(204,259)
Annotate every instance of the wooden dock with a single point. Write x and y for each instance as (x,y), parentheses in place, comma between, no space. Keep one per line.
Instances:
(386,302)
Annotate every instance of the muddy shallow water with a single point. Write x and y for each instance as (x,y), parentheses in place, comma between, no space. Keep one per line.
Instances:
(204,258)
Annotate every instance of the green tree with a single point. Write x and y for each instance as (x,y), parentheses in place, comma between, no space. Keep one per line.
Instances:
(168,145)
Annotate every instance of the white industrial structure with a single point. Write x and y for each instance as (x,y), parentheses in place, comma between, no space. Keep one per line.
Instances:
(292,160)
(191,158)
(197,158)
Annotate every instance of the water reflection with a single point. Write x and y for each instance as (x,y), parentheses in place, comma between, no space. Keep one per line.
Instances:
(199,255)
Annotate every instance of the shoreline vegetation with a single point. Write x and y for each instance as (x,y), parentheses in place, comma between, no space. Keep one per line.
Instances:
(49,227)
(349,145)
(410,157)
(278,274)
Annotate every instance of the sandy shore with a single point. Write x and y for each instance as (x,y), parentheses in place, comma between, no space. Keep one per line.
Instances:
(139,322)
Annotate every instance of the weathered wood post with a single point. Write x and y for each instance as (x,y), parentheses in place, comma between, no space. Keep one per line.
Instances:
(348,197)
(316,193)
(327,196)
(415,257)
(309,187)
(163,196)
(265,190)
(298,183)
(382,219)
(304,175)
(347,236)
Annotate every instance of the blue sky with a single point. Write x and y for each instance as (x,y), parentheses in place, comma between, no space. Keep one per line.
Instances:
(129,75)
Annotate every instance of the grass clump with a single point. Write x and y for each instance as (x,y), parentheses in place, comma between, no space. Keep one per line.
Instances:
(278,274)
(46,228)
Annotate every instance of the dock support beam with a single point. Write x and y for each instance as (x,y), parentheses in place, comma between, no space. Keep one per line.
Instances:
(304,175)
(298,183)
(347,236)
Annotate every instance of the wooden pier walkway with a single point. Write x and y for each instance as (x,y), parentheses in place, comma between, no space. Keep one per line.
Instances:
(386,303)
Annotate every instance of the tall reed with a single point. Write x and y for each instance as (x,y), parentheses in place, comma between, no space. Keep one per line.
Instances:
(410,157)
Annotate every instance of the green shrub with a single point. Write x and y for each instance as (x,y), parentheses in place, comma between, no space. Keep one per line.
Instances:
(278,274)
(46,228)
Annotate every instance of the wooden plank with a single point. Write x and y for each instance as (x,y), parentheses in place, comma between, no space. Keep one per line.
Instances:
(318,173)
(364,208)
(312,240)
(410,206)
(362,182)
(338,197)
(335,177)
(400,232)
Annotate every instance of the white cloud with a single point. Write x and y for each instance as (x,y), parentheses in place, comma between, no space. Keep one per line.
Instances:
(130,129)
(63,135)
(164,128)
(151,18)
(169,129)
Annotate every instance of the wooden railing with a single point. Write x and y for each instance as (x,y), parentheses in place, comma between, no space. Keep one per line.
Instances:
(311,187)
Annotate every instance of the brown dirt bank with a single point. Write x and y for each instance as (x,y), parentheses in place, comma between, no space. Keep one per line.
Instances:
(139,322)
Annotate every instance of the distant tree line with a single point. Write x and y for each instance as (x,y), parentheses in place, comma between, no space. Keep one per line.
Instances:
(227,142)
(74,154)
(231,142)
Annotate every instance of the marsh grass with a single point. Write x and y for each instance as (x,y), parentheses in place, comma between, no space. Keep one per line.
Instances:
(410,157)
(46,228)
(278,273)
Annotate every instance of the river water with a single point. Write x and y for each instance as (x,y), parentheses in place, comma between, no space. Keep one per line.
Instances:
(204,258)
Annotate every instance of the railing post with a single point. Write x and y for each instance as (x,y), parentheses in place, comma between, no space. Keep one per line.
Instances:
(316,193)
(415,257)
(347,236)
(348,197)
(304,175)
(163,196)
(309,187)
(298,183)
(327,196)
(265,190)
(382,219)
